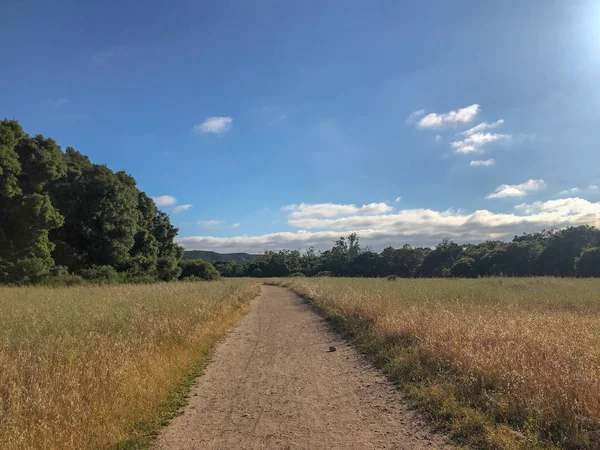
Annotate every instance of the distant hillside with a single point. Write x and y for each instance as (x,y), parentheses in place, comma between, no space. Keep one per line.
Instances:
(214,256)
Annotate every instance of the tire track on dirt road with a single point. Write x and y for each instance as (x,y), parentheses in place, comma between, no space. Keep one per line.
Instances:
(273,384)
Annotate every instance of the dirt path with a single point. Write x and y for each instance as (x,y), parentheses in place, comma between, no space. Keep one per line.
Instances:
(273,384)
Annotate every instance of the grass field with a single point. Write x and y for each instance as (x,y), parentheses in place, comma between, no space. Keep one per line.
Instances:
(500,363)
(94,367)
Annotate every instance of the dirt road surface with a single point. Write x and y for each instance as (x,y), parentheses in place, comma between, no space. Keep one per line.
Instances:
(274,384)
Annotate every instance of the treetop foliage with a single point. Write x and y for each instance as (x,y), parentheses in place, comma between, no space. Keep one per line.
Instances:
(60,209)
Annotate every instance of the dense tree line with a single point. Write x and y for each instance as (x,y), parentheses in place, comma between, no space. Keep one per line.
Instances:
(59,212)
(573,251)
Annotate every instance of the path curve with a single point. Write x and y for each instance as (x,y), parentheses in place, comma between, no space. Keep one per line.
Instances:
(273,384)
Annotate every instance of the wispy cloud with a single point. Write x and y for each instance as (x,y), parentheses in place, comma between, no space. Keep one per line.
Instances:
(210,223)
(571,191)
(413,116)
(591,189)
(398,199)
(58,103)
(332,210)
(180,208)
(475,142)
(215,125)
(517,190)
(474,139)
(435,120)
(482,127)
(164,200)
(235,225)
(483,163)
(101,58)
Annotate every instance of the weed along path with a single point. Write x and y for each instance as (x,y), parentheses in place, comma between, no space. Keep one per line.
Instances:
(274,384)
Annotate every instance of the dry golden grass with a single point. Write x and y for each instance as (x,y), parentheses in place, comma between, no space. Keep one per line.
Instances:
(501,363)
(81,366)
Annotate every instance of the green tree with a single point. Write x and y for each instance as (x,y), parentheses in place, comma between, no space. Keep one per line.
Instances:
(169,252)
(520,258)
(366,264)
(438,262)
(463,268)
(587,264)
(198,269)
(26,166)
(100,209)
(59,207)
(563,246)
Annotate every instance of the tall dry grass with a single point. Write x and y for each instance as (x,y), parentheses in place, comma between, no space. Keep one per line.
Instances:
(80,366)
(502,363)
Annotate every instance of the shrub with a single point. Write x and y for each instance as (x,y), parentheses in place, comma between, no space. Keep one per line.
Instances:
(391,277)
(24,271)
(324,273)
(102,274)
(63,280)
(297,274)
(58,271)
(198,269)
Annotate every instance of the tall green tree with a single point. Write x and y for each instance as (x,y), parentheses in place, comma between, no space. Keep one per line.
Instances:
(61,208)
(169,253)
(27,166)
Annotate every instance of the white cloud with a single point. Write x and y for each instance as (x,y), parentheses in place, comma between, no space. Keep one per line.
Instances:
(483,163)
(463,115)
(164,200)
(482,127)
(475,142)
(591,189)
(235,225)
(333,210)
(474,139)
(210,223)
(181,208)
(415,226)
(565,207)
(413,116)
(517,190)
(216,125)
(398,199)
(101,58)
(571,191)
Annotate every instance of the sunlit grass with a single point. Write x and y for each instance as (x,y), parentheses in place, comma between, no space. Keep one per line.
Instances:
(501,363)
(81,366)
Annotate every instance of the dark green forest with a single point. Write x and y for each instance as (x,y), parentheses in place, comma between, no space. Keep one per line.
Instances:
(62,215)
(214,256)
(568,252)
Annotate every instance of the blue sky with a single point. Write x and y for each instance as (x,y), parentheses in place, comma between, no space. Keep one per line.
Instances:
(287,123)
